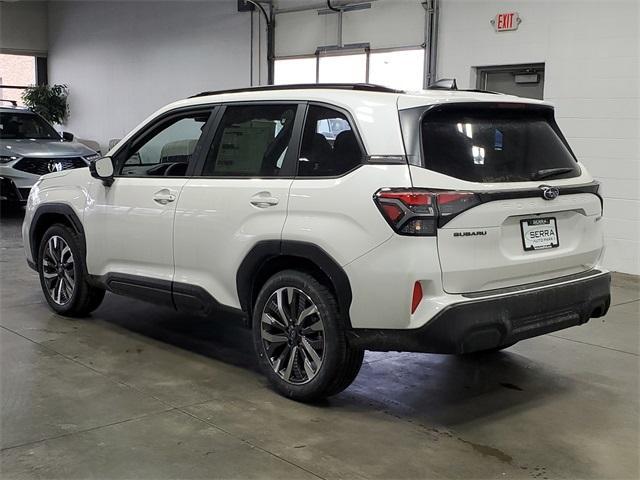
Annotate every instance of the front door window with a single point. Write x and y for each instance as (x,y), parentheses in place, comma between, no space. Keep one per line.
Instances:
(167,150)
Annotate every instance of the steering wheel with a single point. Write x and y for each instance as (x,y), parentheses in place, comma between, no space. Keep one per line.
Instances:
(177,169)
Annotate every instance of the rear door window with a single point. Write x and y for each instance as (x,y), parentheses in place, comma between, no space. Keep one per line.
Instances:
(251,141)
(496,145)
(329,144)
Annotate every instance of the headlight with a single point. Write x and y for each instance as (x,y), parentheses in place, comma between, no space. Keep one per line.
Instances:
(92,157)
(7,158)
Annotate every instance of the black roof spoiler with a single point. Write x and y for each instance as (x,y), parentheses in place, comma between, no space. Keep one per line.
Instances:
(12,102)
(444,84)
(363,87)
(450,84)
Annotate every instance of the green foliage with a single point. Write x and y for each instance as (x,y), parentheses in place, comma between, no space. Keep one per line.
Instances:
(48,101)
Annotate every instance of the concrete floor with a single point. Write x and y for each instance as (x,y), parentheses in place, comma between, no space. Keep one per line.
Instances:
(137,391)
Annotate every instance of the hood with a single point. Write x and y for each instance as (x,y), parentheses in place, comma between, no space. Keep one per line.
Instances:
(43,148)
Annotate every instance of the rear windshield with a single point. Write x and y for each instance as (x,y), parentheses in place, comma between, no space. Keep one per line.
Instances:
(496,145)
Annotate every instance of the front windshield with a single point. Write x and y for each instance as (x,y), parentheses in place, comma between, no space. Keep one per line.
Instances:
(24,125)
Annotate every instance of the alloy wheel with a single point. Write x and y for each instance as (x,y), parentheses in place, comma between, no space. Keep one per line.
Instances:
(58,270)
(292,333)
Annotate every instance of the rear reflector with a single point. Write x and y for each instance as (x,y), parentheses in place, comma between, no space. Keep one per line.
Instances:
(417,296)
(415,211)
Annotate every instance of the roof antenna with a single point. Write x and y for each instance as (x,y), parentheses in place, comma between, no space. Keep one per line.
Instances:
(444,84)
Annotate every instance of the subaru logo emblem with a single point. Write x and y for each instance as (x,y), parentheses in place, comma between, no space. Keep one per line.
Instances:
(549,192)
(54,166)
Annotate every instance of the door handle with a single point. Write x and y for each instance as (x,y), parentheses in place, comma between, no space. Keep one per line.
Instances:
(164,196)
(264,200)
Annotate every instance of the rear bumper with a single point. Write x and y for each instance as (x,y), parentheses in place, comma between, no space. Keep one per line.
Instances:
(498,320)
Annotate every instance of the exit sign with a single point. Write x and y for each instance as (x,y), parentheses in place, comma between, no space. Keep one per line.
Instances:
(503,22)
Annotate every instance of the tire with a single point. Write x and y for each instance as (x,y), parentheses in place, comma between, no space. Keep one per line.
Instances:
(313,326)
(63,276)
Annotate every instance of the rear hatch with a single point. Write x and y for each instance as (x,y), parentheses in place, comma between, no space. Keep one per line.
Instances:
(514,205)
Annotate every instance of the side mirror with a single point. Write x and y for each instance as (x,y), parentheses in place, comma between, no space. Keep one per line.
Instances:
(102,169)
(67,137)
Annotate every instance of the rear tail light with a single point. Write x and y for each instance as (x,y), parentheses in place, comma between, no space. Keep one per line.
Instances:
(415,211)
(451,204)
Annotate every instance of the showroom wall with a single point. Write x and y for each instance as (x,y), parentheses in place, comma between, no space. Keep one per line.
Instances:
(387,24)
(123,60)
(590,50)
(591,53)
(14,37)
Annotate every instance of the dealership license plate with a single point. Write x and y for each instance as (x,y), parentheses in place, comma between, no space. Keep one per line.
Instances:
(539,233)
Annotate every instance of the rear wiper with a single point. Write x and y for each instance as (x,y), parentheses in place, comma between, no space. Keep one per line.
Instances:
(550,172)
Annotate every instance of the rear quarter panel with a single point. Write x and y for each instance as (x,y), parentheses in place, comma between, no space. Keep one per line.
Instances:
(339,214)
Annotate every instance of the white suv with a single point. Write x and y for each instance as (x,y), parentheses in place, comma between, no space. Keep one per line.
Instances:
(439,221)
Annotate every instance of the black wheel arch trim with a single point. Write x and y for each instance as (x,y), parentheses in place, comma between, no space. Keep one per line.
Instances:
(261,252)
(59,209)
(267,250)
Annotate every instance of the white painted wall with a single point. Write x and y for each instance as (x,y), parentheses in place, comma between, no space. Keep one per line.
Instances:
(591,55)
(23,27)
(122,60)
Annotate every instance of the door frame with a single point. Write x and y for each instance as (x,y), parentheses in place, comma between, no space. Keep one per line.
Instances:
(483,71)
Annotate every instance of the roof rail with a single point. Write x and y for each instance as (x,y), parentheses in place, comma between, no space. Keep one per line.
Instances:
(366,87)
(12,102)
(479,90)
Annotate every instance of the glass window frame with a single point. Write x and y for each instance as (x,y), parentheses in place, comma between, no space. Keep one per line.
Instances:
(304,57)
(290,161)
(40,76)
(346,52)
(375,54)
(357,56)
(154,127)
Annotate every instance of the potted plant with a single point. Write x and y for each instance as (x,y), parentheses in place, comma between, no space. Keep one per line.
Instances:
(48,101)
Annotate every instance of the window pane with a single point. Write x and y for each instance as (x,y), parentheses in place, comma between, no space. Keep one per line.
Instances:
(16,70)
(295,70)
(169,151)
(494,145)
(402,69)
(251,141)
(343,69)
(329,146)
